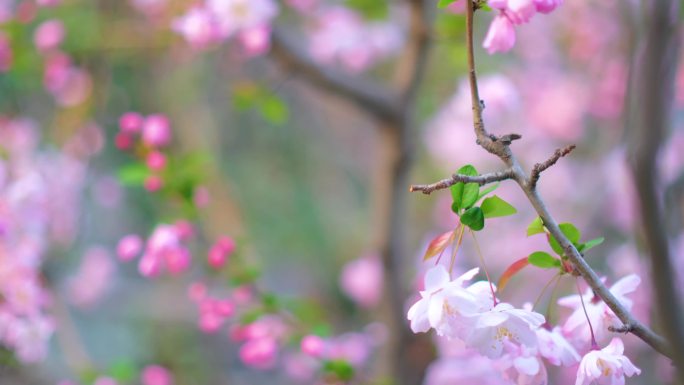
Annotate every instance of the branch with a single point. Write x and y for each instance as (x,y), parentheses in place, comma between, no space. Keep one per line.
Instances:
(501,149)
(541,167)
(369,95)
(483,179)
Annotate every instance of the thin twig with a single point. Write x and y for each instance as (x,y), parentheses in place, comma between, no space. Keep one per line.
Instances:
(541,167)
(483,179)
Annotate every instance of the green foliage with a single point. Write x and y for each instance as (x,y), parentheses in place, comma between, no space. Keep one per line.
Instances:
(571,232)
(342,369)
(133,174)
(269,105)
(536,227)
(465,194)
(543,260)
(445,3)
(487,190)
(370,9)
(123,372)
(590,244)
(473,218)
(496,207)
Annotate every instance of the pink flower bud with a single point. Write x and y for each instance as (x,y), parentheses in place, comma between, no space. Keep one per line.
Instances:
(259,353)
(156,161)
(501,35)
(184,229)
(197,291)
(224,308)
(177,260)
(219,252)
(129,247)
(123,141)
(131,122)
(48,35)
(521,11)
(312,345)
(149,266)
(156,131)
(547,6)
(210,322)
(153,183)
(156,375)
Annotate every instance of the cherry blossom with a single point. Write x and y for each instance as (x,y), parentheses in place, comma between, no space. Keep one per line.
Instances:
(599,314)
(555,348)
(607,366)
(362,280)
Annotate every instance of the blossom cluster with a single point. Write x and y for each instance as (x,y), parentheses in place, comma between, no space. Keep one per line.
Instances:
(519,340)
(37,188)
(501,34)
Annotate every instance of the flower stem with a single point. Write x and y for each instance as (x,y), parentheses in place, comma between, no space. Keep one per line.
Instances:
(594,345)
(484,266)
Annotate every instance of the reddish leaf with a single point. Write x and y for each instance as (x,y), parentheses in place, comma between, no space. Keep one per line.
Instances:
(439,244)
(513,269)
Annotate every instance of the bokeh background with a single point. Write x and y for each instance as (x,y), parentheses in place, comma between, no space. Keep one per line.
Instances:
(306,180)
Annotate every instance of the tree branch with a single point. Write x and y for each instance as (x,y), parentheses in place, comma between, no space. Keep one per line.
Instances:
(501,149)
(541,167)
(370,96)
(483,179)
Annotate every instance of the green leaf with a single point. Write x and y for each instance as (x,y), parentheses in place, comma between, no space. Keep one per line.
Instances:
(473,218)
(123,371)
(374,10)
(342,369)
(487,190)
(571,232)
(590,244)
(543,260)
(274,109)
(536,227)
(496,207)
(445,3)
(465,194)
(133,174)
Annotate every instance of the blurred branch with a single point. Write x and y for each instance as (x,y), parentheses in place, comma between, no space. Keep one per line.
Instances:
(674,200)
(541,167)
(502,150)
(370,96)
(656,64)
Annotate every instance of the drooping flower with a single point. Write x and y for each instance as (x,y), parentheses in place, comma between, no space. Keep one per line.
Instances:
(607,366)
(555,348)
(500,36)
(599,314)
(444,303)
(502,324)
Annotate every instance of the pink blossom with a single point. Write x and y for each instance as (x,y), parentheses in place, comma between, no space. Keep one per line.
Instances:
(521,11)
(131,122)
(303,6)
(153,183)
(93,279)
(129,247)
(156,161)
(503,324)
(607,366)
(197,291)
(256,40)
(220,251)
(500,36)
(49,35)
(312,345)
(555,348)
(197,26)
(201,196)
(598,312)
(156,375)
(164,250)
(233,16)
(156,131)
(259,353)
(522,366)
(445,303)
(362,280)
(547,6)
(30,337)
(123,141)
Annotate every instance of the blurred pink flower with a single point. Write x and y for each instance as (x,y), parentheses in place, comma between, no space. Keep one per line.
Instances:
(129,247)
(93,279)
(156,160)
(312,345)
(156,131)
(220,251)
(156,375)
(131,122)
(259,353)
(49,35)
(197,26)
(362,280)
